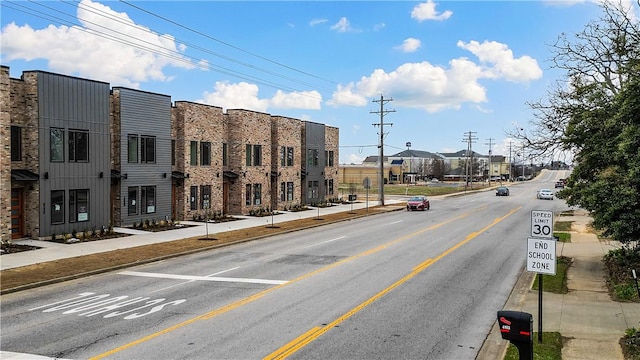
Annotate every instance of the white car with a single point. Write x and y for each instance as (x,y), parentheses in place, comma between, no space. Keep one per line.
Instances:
(545,194)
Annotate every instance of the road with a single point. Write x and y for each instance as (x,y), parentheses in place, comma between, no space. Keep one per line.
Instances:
(400,285)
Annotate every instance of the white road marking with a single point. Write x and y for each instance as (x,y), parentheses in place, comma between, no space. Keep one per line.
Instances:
(8,355)
(203,278)
(324,242)
(395,222)
(190,281)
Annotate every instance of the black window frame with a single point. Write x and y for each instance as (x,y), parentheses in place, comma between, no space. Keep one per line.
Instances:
(205,196)
(57,199)
(132,148)
(147,149)
(205,153)
(132,201)
(75,205)
(78,140)
(16,143)
(193,198)
(147,201)
(56,147)
(193,153)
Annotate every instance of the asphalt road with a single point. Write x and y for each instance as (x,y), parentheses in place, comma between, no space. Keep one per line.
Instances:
(400,285)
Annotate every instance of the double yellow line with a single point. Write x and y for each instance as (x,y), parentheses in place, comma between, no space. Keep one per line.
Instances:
(315,332)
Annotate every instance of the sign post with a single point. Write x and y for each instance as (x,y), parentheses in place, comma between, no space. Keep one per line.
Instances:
(366,183)
(541,253)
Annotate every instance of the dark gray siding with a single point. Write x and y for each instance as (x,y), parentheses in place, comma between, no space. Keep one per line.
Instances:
(146,114)
(74,104)
(314,139)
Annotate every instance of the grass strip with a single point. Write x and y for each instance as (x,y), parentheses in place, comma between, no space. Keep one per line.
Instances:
(549,349)
(557,283)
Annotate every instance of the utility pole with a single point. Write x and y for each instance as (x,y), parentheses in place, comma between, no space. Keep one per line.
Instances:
(490,145)
(382,112)
(469,139)
(510,163)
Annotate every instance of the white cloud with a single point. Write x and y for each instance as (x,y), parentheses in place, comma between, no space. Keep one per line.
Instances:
(76,51)
(344,95)
(243,95)
(235,96)
(378,27)
(310,100)
(315,22)
(503,64)
(409,45)
(342,25)
(435,88)
(427,11)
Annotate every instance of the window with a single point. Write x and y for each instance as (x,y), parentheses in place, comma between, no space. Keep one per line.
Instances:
(78,205)
(253,155)
(312,190)
(56,145)
(78,146)
(173,152)
(283,156)
(289,191)
(193,155)
(132,148)
(205,193)
(283,191)
(328,186)
(328,158)
(57,207)
(312,157)
(289,156)
(257,194)
(247,194)
(225,154)
(286,156)
(147,149)
(132,204)
(16,143)
(148,199)
(193,198)
(205,153)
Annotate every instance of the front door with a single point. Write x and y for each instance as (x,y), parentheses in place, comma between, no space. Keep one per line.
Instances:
(17,213)
(225,197)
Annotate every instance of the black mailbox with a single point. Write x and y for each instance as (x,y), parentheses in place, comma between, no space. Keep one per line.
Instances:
(516,325)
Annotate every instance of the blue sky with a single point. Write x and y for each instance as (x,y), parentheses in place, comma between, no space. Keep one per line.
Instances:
(451,67)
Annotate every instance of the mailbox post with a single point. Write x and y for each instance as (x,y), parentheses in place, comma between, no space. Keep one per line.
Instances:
(517,327)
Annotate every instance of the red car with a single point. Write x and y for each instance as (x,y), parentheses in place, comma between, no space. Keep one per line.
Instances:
(418,203)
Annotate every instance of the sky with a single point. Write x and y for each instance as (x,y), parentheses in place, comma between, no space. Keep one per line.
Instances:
(444,69)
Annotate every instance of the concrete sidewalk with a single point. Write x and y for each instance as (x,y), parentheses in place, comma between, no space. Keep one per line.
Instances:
(50,251)
(591,323)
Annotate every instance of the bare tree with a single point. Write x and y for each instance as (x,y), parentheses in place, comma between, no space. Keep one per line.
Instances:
(599,54)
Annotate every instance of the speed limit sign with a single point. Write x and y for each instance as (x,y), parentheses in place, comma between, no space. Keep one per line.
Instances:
(542,224)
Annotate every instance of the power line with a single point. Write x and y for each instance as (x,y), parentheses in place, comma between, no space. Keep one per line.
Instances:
(158,50)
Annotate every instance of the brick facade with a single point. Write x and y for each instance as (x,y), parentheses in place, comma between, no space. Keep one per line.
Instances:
(236,186)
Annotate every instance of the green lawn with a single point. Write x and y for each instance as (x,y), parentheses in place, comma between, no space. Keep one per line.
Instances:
(556,283)
(549,349)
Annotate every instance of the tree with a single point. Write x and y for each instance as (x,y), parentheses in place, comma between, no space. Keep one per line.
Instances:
(598,55)
(597,117)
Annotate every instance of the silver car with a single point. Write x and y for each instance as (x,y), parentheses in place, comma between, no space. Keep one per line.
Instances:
(545,194)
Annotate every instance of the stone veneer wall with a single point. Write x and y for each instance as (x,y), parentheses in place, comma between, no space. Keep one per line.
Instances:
(286,132)
(116,147)
(254,128)
(331,140)
(23,112)
(198,122)
(5,156)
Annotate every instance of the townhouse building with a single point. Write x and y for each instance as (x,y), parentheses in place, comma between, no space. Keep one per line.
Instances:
(79,155)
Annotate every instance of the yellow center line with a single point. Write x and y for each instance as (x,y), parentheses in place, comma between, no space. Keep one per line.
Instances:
(316,332)
(262,293)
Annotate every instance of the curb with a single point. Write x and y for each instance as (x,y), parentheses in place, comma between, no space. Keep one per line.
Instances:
(160,258)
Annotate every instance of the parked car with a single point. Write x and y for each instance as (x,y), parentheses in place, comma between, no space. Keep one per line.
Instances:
(559,184)
(502,191)
(545,194)
(418,203)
